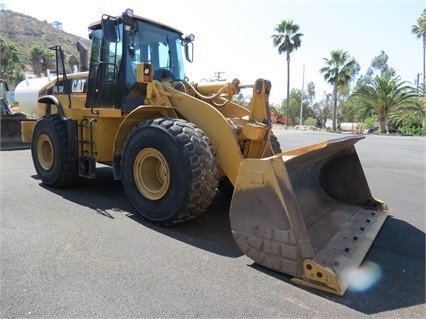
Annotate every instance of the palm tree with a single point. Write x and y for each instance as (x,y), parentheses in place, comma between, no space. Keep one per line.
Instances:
(384,93)
(287,40)
(414,110)
(419,30)
(339,71)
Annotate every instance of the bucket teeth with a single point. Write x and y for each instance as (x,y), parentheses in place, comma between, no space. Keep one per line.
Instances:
(322,278)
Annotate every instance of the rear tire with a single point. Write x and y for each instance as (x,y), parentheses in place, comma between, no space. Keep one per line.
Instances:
(169,170)
(50,153)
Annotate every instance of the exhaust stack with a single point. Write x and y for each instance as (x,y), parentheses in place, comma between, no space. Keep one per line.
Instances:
(84,61)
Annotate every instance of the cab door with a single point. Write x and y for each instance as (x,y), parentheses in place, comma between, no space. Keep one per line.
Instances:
(104,72)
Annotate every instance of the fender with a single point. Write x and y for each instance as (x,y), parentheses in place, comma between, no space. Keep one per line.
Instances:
(71,124)
(49,100)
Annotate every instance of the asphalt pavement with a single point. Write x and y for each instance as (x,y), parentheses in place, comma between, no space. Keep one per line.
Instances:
(84,251)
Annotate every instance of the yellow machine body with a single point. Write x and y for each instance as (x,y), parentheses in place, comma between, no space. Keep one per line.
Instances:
(307,212)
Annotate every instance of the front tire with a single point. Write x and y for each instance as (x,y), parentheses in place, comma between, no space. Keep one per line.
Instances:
(50,152)
(275,144)
(169,170)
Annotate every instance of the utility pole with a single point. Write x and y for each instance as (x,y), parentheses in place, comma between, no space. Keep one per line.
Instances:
(418,81)
(217,74)
(301,98)
(1,65)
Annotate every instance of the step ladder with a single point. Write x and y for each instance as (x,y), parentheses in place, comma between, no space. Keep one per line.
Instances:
(87,161)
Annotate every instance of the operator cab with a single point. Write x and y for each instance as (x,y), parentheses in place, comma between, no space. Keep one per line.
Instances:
(118,45)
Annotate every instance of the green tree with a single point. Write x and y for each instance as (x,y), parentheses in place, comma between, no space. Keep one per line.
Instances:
(36,59)
(311,121)
(40,59)
(48,59)
(379,66)
(73,60)
(57,25)
(308,102)
(419,30)
(287,39)
(339,71)
(294,106)
(385,93)
(10,63)
(322,109)
(310,93)
(416,110)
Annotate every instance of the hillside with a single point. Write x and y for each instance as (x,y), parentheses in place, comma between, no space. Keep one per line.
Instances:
(24,32)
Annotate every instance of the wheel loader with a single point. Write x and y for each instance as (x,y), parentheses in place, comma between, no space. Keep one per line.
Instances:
(307,212)
(10,121)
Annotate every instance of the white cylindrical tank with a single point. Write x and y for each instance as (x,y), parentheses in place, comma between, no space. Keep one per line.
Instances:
(351,127)
(26,94)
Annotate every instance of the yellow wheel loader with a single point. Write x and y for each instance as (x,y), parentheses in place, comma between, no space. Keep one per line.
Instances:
(307,212)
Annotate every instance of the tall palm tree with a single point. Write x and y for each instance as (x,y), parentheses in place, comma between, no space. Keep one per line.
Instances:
(339,71)
(419,30)
(287,39)
(384,93)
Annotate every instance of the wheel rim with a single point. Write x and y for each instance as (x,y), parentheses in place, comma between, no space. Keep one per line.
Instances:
(151,173)
(45,152)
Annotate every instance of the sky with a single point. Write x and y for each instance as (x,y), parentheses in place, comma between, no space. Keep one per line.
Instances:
(234,37)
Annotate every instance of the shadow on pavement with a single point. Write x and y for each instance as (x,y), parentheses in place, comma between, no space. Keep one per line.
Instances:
(397,277)
(399,254)
(211,231)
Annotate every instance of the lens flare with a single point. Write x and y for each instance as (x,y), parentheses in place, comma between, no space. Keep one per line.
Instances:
(365,277)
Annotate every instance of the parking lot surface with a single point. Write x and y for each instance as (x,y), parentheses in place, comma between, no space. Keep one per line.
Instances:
(84,251)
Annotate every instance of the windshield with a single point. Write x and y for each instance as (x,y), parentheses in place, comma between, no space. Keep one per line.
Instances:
(160,47)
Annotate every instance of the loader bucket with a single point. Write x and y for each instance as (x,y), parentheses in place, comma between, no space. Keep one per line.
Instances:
(308,213)
(11,131)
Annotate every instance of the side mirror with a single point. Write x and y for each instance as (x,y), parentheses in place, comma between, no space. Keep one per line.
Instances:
(187,41)
(189,52)
(108,24)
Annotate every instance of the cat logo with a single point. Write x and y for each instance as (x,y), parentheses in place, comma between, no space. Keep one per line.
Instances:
(78,85)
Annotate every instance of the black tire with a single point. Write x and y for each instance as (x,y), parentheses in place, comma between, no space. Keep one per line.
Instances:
(275,144)
(50,153)
(169,170)
(225,185)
